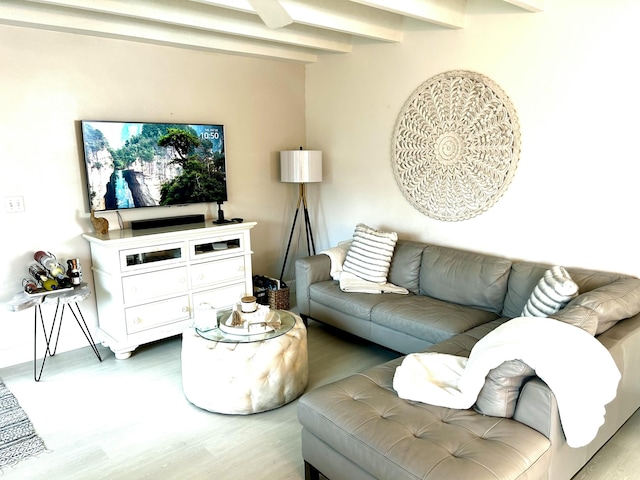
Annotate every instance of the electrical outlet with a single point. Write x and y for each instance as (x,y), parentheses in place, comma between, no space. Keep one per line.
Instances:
(14,204)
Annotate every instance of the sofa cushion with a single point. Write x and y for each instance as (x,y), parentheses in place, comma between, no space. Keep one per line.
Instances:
(523,279)
(357,304)
(466,278)
(427,318)
(580,316)
(588,280)
(608,304)
(552,292)
(462,344)
(405,265)
(370,253)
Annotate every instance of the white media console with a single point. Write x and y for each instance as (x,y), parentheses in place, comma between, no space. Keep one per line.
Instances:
(150,284)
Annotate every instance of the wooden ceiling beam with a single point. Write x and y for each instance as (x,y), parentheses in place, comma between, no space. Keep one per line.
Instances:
(528,5)
(193,15)
(238,26)
(17,13)
(447,13)
(336,15)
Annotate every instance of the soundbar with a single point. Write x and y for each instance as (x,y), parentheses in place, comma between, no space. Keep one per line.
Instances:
(166,221)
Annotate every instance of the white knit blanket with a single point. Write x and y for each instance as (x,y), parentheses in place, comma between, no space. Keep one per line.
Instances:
(352,283)
(336,256)
(577,367)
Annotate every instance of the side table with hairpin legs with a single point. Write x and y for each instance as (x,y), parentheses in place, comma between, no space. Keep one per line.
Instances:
(67,299)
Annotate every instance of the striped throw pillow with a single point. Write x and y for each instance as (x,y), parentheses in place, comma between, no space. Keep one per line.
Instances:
(552,293)
(370,253)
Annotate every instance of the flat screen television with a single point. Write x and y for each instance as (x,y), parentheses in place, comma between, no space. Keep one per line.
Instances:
(133,165)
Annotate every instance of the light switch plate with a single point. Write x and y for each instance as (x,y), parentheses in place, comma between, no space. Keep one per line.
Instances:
(14,204)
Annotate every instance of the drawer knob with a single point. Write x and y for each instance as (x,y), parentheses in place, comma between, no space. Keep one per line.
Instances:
(185,309)
(138,320)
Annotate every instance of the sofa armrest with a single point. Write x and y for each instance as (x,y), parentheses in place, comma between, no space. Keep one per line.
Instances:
(537,408)
(310,270)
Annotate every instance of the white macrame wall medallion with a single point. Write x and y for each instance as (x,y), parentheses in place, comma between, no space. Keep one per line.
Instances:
(456,145)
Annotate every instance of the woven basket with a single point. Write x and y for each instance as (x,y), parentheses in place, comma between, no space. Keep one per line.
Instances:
(279,299)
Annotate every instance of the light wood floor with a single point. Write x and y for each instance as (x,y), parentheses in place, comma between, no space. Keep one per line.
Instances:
(128,419)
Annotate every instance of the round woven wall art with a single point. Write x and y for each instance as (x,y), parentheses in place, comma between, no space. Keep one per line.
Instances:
(456,145)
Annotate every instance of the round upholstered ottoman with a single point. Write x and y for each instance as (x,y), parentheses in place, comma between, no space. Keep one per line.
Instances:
(246,376)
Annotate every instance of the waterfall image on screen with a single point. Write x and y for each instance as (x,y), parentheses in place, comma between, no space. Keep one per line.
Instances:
(131,165)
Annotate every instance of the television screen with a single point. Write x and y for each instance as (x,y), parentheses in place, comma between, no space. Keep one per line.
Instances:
(130,165)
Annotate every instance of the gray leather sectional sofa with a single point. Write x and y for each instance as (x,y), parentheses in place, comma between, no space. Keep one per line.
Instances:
(358,427)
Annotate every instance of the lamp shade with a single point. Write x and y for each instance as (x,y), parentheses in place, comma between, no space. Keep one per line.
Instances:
(301,166)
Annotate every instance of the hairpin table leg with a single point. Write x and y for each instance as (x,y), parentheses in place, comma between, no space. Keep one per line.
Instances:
(83,327)
(47,339)
(50,350)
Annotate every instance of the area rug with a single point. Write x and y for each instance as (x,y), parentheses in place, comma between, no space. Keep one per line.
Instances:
(18,439)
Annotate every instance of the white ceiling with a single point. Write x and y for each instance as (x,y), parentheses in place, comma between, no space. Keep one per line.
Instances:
(300,30)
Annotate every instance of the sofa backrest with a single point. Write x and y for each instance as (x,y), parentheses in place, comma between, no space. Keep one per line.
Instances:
(497,284)
(525,275)
(465,278)
(405,265)
(522,280)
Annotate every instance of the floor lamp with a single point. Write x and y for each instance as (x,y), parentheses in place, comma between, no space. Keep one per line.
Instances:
(302,167)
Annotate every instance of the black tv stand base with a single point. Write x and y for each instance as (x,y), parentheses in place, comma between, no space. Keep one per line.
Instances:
(225,221)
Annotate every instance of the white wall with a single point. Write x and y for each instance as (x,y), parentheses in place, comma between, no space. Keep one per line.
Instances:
(50,81)
(571,74)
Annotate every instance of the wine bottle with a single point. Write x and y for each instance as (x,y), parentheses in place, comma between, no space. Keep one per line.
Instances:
(42,278)
(37,272)
(50,284)
(29,286)
(49,262)
(74,271)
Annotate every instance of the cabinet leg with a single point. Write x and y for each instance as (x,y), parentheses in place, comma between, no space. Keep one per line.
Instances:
(123,354)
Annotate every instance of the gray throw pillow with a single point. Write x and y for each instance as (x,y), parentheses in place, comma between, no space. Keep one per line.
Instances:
(501,389)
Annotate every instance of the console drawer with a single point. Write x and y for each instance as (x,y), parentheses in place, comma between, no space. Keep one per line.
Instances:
(138,288)
(216,247)
(143,317)
(210,273)
(153,256)
(219,298)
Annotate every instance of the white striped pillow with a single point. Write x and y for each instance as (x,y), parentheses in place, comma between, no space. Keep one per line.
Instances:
(370,253)
(551,294)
